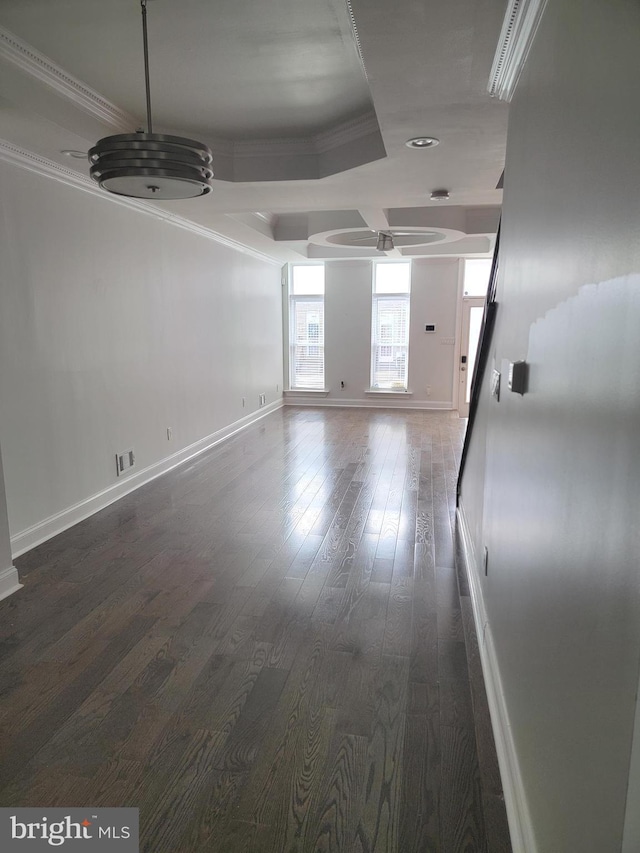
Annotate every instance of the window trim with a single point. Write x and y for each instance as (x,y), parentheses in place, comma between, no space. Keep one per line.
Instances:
(376,298)
(293,301)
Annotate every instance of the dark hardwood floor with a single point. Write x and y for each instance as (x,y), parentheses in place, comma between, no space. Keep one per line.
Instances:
(263,650)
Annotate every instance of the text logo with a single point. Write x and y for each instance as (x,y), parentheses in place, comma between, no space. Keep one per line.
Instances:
(71,829)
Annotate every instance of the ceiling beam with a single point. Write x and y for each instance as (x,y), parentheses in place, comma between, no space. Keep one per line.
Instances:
(375,218)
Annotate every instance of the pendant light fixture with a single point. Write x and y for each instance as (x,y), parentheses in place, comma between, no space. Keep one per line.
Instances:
(151,165)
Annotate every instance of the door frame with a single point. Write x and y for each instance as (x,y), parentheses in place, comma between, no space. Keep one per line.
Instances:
(463,370)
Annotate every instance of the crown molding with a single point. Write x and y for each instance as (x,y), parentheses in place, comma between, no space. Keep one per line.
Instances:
(48,168)
(273,148)
(344,132)
(518,32)
(347,131)
(39,66)
(356,36)
(36,65)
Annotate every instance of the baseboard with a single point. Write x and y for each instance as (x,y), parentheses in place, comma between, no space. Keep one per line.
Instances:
(54,524)
(373,403)
(520,826)
(9,582)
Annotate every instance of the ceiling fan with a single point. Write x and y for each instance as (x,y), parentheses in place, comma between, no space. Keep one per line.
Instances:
(383,239)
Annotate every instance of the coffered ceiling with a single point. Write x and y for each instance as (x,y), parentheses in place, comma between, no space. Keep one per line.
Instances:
(306,104)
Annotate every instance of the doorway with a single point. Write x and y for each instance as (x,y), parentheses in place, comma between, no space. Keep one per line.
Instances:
(472,311)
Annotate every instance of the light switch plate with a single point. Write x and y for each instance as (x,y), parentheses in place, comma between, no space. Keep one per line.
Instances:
(495,385)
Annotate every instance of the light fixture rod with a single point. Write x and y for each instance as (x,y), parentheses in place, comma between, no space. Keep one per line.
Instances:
(143,6)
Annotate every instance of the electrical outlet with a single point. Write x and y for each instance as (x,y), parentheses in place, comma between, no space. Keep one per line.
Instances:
(428,390)
(169,433)
(485,561)
(124,461)
(262,399)
(243,402)
(277,388)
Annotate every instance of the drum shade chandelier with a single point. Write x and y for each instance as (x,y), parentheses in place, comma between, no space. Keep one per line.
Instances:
(151,165)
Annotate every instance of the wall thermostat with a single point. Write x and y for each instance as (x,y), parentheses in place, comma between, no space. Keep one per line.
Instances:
(518,377)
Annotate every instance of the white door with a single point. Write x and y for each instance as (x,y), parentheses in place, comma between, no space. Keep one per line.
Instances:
(472,311)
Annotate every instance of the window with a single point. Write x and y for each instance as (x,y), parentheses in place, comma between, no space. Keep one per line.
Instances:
(476,276)
(306,329)
(390,325)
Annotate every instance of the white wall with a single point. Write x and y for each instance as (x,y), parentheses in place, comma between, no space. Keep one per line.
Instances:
(434,294)
(114,326)
(557,506)
(434,299)
(347,328)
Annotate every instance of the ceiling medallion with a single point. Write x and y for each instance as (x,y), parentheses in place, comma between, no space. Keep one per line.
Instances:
(384,240)
(151,165)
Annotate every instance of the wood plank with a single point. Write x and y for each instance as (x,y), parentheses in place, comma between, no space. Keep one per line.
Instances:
(378,828)
(461,817)
(334,824)
(421,767)
(163,824)
(269,785)
(448,604)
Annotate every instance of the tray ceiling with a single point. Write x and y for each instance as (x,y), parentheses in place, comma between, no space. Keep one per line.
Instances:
(280,92)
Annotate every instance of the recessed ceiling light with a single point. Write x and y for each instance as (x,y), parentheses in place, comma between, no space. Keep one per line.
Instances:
(77,155)
(422,142)
(440,195)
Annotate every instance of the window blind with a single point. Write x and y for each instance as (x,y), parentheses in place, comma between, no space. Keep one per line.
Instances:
(390,342)
(390,325)
(306,335)
(307,357)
